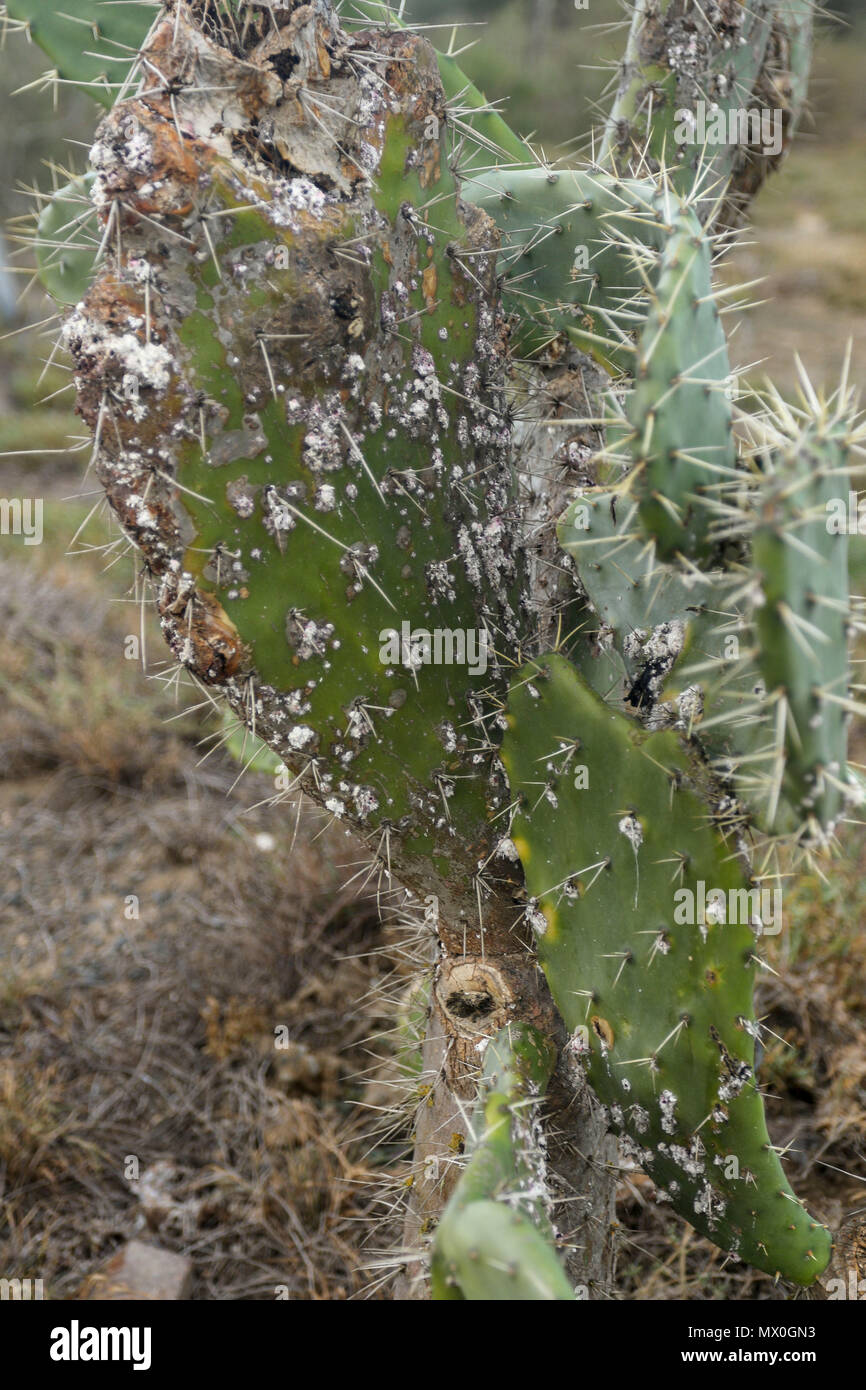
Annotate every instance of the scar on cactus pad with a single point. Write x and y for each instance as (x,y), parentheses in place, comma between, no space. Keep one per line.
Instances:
(333,288)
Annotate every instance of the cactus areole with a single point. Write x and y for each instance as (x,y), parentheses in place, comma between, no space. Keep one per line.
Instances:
(433,458)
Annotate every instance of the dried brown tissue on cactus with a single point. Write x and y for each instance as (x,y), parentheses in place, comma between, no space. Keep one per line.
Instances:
(347,377)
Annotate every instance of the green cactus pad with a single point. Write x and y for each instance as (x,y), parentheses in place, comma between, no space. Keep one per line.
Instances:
(604,260)
(686,643)
(803,618)
(488,1253)
(494,1241)
(699,652)
(92,43)
(629,588)
(574,245)
(680,412)
(613,840)
(67,241)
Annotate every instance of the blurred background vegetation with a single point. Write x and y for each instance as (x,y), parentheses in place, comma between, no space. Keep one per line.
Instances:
(154,1036)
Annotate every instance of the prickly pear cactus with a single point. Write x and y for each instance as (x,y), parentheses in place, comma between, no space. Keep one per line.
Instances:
(431,454)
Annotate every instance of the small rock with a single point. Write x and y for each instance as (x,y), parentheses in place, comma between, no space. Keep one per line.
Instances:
(140,1271)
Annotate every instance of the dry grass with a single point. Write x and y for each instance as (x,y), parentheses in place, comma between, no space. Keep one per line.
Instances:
(153,942)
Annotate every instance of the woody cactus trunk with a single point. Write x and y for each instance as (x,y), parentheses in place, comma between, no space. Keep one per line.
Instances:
(432,454)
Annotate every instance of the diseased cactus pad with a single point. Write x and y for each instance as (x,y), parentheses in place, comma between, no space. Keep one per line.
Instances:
(657,994)
(495,1240)
(296,372)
